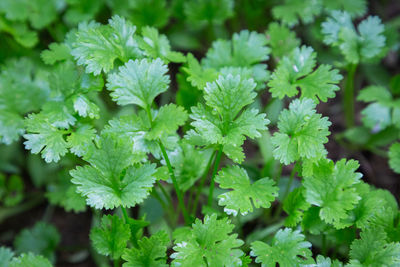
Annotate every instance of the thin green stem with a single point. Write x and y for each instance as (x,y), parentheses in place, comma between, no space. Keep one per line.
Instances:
(125,214)
(176,186)
(286,192)
(200,187)
(166,196)
(212,182)
(348,96)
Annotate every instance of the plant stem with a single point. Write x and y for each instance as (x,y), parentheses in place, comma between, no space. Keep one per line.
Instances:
(117,263)
(176,186)
(348,97)
(125,214)
(200,187)
(287,189)
(167,197)
(216,165)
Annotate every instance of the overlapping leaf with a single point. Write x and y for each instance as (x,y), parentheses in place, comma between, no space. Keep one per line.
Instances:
(244,195)
(296,71)
(225,120)
(211,242)
(287,248)
(111,180)
(302,133)
(330,186)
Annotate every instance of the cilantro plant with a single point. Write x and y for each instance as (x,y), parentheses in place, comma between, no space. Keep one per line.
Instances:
(199,133)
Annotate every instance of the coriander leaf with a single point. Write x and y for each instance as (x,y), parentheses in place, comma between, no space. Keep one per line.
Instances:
(302,133)
(327,262)
(63,193)
(85,107)
(111,180)
(375,93)
(142,13)
(376,117)
(331,187)
(167,121)
(296,72)
(30,260)
(151,252)
(356,8)
(198,76)
(110,238)
(138,129)
(80,140)
(394,157)
(44,138)
(294,205)
(292,11)
(23,89)
(42,239)
(56,52)
(373,249)
(281,40)
(287,248)
(98,46)
(139,82)
(363,45)
(208,244)
(246,50)
(204,12)
(244,194)
(156,45)
(189,164)
(224,124)
(6,255)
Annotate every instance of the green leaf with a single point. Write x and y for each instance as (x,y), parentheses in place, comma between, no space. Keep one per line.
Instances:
(373,249)
(292,11)
(142,13)
(111,180)
(220,122)
(80,140)
(331,187)
(376,117)
(30,260)
(287,248)
(56,52)
(281,40)
(209,242)
(151,252)
(302,133)
(156,45)
(245,50)
(6,255)
(208,12)
(198,76)
(44,138)
(42,239)
(111,237)
(63,193)
(40,13)
(189,164)
(294,205)
(139,82)
(23,89)
(356,8)
(327,262)
(98,46)
(244,194)
(167,121)
(374,93)
(297,71)
(362,46)
(394,157)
